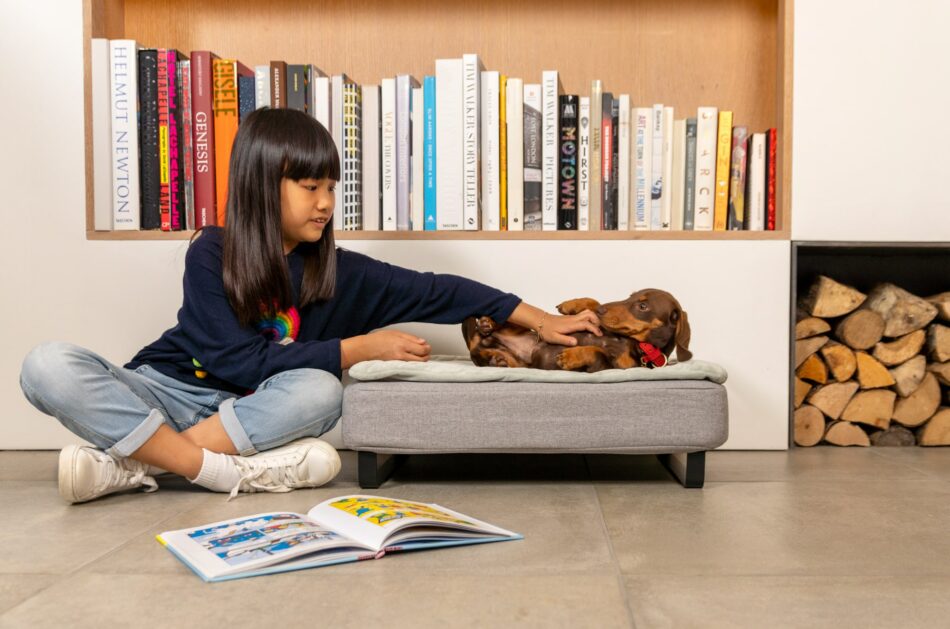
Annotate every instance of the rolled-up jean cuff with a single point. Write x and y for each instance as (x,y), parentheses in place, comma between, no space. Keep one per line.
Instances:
(242,443)
(137,438)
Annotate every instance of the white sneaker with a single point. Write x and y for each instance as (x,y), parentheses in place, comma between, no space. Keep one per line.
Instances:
(307,462)
(86,473)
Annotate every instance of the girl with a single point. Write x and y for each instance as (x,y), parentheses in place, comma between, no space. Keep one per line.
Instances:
(234,396)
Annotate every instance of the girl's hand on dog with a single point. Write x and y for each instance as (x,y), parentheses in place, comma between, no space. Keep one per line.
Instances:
(556,328)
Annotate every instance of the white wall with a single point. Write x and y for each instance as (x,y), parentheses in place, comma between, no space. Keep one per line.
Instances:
(871,98)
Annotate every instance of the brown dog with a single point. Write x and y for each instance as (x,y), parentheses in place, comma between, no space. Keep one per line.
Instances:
(641,330)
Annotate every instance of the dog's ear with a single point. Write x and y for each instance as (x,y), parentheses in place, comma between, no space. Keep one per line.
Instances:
(682,337)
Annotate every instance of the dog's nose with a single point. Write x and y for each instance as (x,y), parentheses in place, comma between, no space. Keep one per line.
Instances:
(602,310)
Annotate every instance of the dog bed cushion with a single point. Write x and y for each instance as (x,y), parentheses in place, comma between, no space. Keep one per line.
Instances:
(462,369)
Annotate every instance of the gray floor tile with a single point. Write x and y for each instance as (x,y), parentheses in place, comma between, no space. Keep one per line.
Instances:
(322,598)
(28,464)
(792,602)
(933,462)
(820,463)
(780,528)
(16,588)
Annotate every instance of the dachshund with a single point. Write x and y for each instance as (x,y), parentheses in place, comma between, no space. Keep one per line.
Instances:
(642,330)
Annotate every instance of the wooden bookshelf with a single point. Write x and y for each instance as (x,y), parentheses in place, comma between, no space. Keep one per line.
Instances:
(733,54)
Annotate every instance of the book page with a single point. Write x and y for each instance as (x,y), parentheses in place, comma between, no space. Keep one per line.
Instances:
(246,544)
(373,520)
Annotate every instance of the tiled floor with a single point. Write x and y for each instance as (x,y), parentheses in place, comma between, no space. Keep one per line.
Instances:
(808,538)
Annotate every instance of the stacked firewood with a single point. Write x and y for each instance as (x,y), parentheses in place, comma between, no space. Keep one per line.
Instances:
(872,369)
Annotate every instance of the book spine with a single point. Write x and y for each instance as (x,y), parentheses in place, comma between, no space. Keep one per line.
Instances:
(643,168)
(203,131)
(101,135)
(567,162)
(667,201)
(188,152)
(771,168)
(416,194)
(678,175)
(471,140)
(296,87)
(404,87)
(312,74)
(321,104)
(723,153)
(503,151)
(371,169)
(164,179)
(352,175)
(389,154)
(583,165)
(707,119)
(756,198)
(336,127)
(126,203)
(623,163)
(225,105)
(614,161)
(246,96)
(689,189)
(262,86)
(533,122)
(176,201)
(278,84)
(737,176)
(490,180)
(596,123)
(550,84)
(149,139)
(450,187)
(514,129)
(429,154)
(656,166)
(606,160)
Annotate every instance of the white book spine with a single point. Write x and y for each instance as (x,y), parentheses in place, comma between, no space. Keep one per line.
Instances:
(416,192)
(756,198)
(515,122)
(471,139)
(389,156)
(101,136)
(549,149)
(404,85)
(371,206)
(262,86)
(321,103)
(666,201)
(583,165)
(123,96)
(491,158)
(643,155)
(656,178)
(623,164)
(596,154)
(678,180)
(450,187)
(707,126)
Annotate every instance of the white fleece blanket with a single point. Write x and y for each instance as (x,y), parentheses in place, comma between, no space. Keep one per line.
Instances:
(462,369)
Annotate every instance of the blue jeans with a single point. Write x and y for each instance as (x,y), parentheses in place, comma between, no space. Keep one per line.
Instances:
(119,409)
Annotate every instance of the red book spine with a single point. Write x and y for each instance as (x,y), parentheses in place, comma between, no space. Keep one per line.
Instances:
(770,187)
(164,195)
(202,129)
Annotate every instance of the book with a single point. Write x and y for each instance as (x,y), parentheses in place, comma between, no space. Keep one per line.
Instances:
(678,175)
(316,89)
(723,153)
(657,182)
(503,150)
(471,140)
(550,111)
(352,158)
(101,135)
(490,151)
(297,87)
(123,97)
(755,194)
(278,84)
(449,188)
(321,99)
(689,188)
(429,155)
(771,157)
(514,142)
(623,163)
(643,167)
(595,212)
(416,195)
(736,217)
(164,113)
(247,96)
(188,149)
(226,112)
(707,120)
(371,169)
(606,160)
(388,154)
(339,530)
(567,163)
(532,123)
(338,91)
(405,83)
(262,86)
(149,137)
(176,172)
(202,130)
(666,205)
(583,164)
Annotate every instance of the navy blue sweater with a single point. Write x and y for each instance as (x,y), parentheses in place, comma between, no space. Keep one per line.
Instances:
(209,348)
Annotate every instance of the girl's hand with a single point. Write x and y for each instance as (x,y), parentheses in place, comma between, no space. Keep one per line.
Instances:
(395,345)
(555,328)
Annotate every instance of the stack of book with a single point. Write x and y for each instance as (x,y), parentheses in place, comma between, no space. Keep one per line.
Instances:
(463,149)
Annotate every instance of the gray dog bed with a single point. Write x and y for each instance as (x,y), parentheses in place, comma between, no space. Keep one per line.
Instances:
(449,405)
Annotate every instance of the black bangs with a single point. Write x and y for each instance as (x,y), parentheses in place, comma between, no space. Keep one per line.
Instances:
(310,153)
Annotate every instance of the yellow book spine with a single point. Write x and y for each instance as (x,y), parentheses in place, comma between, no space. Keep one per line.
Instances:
(723,153)
(503,151)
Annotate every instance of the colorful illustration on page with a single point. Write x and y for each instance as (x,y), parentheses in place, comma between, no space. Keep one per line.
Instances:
(381,511)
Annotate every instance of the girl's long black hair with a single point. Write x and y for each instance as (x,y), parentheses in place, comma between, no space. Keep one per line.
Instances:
(272,144)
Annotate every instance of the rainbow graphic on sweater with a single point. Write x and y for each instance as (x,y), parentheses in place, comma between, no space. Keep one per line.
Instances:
(282,328)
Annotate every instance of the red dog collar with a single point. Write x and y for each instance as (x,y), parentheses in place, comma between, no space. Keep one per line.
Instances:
(652,357)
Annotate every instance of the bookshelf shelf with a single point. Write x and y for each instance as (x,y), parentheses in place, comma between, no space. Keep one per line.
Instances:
(734,54)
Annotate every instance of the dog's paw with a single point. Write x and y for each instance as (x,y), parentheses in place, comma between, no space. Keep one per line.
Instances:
(485,325)
(574,358)
(500,360)
(574,306)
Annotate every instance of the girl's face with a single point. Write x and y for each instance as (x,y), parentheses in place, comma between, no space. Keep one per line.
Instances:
(305,208)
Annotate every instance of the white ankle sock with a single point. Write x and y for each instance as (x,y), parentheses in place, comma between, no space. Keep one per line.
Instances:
(218,472)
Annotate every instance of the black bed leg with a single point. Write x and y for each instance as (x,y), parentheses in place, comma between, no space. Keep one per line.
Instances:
(371,473)
(688,468)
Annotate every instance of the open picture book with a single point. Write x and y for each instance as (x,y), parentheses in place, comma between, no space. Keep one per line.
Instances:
(338,530)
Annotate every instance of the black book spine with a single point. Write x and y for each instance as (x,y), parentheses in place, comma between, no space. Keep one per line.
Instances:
(614,164)
(296,87)
(567,163)
(247,98)
(148,138)
(607,156)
